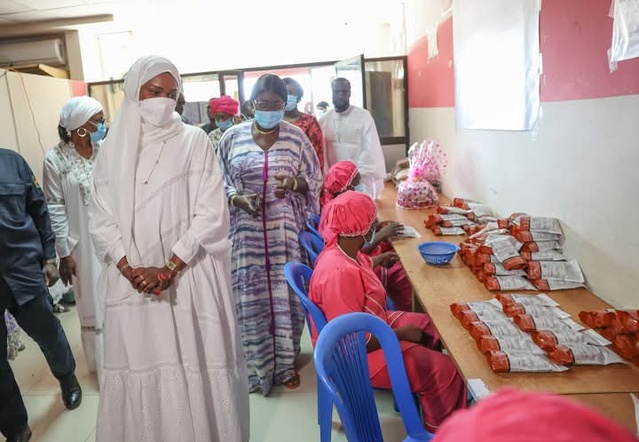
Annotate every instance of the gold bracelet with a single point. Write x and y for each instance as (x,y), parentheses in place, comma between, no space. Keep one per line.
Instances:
(232,199)
(295,184)
(124,267)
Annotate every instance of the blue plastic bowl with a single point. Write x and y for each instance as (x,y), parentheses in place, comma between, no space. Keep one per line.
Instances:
(437,252)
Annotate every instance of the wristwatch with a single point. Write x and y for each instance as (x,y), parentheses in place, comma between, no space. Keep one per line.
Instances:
(51,261)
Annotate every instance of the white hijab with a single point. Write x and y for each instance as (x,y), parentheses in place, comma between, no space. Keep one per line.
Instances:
(77,111)
(123,141)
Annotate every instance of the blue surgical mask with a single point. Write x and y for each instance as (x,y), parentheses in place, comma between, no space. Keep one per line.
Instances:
(99,133)
(359,188)
(370,242)
(223,125)
(291,102)
(268,119)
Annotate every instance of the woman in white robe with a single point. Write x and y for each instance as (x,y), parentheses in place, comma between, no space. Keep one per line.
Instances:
(174,369)
(67,181)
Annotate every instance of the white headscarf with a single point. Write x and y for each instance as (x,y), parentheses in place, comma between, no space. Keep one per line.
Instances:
(122,144)
(77,111)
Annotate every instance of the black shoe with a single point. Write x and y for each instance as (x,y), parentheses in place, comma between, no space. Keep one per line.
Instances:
(71,392)
(22,435)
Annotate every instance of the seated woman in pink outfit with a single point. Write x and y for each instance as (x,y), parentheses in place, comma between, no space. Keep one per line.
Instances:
(343,282)
(343,176)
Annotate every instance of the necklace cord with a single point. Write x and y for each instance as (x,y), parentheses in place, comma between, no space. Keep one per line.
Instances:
(156,163)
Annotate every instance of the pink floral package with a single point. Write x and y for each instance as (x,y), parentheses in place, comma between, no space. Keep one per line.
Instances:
(427,162)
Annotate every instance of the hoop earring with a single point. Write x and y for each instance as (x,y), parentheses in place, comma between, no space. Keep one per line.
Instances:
(83,133)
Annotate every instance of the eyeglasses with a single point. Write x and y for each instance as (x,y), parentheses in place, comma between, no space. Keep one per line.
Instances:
(262,105)
(96,122)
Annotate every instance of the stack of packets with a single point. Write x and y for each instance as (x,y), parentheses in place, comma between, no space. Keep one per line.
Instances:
(619,326)
(530,333)
(462,217)
(521,253)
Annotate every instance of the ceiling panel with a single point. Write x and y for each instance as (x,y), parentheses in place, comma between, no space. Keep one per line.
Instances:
(29,16)
(49,4)
(25,11)
(79,11)
(9,6)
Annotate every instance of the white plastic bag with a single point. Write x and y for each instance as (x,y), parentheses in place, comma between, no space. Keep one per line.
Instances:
(625,32)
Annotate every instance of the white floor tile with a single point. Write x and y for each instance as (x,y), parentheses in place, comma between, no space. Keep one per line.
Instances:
(51,422)
(91,438)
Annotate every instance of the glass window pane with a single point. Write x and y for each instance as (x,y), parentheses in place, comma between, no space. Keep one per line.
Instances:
(351,69)
(385,96)
(198,91)
(110,96)
(232,87)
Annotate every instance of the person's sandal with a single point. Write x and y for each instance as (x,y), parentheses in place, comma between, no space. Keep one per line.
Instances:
(294,382)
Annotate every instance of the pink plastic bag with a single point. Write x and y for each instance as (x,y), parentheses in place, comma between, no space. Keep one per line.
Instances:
(427,162)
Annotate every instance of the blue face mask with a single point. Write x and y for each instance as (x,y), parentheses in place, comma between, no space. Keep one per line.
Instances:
(359,188)
(369,243)
(291,102)
(268,119)
(223,125)
(99,133)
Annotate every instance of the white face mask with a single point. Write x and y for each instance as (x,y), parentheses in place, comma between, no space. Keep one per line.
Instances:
(157,111)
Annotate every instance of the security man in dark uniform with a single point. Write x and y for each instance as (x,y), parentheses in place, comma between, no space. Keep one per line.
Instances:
(26,249)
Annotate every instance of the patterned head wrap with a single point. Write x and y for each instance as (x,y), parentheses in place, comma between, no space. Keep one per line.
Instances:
(224,104)
(517,416)
(350,214)
(338,178)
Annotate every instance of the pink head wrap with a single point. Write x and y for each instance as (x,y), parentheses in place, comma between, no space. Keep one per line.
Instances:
(350,214)
(224,104)
(517,416)
(338,178)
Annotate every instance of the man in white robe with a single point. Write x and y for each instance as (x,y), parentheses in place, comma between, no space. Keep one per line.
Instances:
(174,368)
(350,134)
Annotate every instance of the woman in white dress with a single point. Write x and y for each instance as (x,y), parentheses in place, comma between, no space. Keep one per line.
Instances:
(174,369)
(67,182)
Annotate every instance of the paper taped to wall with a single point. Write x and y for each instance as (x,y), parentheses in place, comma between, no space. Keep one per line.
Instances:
(625,32)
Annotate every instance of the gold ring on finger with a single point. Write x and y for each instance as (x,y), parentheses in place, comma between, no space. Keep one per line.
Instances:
(143,283)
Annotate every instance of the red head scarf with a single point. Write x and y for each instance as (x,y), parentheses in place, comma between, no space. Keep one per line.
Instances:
(224,104)
(517,416)
(350,214)
(338,178)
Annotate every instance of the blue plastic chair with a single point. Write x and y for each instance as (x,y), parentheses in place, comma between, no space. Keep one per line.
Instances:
(298,276)
(312,244)
(313,224)
(342,366)
(390,304)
